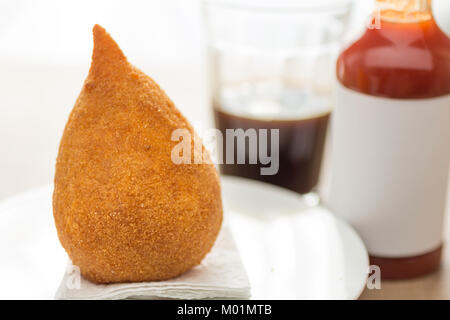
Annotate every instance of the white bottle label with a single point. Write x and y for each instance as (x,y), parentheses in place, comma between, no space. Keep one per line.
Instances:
(390,165)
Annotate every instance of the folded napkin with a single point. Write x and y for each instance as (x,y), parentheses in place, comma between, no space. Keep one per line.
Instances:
(220,275)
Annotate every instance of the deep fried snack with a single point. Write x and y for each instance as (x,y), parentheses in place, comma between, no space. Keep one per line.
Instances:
(123,210)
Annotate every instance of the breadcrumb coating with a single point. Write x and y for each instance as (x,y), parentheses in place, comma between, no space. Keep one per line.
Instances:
(123,210)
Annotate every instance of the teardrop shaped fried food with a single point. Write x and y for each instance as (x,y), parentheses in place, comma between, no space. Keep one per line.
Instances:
(124,211)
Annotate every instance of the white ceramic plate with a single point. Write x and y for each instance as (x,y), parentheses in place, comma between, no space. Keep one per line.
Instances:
(292,251)
(289,252)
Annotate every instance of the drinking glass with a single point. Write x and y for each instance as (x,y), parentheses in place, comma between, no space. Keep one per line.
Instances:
(271,73)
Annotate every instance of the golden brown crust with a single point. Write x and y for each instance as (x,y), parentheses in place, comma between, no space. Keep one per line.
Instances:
(123,210)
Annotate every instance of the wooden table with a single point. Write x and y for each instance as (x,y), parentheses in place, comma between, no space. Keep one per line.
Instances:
(432,286)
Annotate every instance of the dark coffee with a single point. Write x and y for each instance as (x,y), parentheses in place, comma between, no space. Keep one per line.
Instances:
(301,144)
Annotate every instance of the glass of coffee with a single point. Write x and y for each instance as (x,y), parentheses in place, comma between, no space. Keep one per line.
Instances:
(271,72)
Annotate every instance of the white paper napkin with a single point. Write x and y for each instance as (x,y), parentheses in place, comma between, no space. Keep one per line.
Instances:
(220,275)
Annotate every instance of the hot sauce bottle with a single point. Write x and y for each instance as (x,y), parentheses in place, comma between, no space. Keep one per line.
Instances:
(391,137)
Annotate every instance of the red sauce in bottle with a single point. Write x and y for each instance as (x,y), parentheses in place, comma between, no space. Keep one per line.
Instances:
(399,60)
(408,57)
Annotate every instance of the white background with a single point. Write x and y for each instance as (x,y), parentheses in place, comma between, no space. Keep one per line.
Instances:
(45,51)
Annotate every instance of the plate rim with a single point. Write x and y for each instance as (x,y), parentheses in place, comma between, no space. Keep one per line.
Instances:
(342,223)
(32,192)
